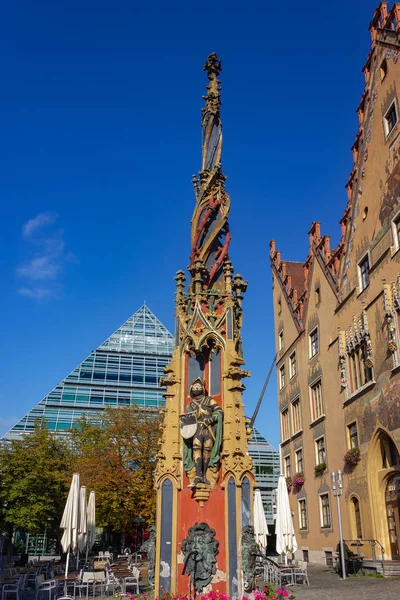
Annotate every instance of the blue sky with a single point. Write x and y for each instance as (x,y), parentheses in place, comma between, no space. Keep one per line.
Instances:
(100,120)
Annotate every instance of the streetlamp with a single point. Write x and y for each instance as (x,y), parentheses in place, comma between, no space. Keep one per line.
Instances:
(337,492)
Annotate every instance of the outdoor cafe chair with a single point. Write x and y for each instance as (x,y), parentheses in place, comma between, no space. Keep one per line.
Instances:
(81,584)
(133,581)
(112,584)
(46,588)
(13,589)
(300,573)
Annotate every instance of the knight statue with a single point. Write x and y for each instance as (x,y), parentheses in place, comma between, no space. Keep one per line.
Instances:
(201,429)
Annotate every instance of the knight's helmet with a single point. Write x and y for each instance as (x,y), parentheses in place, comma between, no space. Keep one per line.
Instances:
(198,380)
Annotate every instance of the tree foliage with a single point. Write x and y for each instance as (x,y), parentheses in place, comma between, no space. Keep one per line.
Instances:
(117,460)
(35,473)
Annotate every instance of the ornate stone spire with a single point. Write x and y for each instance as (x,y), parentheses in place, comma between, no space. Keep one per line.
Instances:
(210,231)
(211,122)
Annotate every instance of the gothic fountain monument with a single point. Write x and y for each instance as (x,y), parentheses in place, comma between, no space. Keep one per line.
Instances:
(204,478)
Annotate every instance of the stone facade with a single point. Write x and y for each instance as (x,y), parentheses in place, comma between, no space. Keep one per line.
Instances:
(337,335)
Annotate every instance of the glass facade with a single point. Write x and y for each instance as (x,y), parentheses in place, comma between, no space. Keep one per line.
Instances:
(266,470)
(123,370)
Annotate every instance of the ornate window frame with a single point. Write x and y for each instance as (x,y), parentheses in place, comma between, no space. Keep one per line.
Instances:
(391,307)
(350,340)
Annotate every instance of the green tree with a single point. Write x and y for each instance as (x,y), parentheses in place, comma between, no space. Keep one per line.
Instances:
(116,458)
(35,473)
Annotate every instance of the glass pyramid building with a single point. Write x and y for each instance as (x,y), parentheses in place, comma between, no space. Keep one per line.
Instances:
(266,470)
(123,370)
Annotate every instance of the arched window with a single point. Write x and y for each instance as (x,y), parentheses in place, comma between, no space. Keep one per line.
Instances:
(357,517)
(390,455)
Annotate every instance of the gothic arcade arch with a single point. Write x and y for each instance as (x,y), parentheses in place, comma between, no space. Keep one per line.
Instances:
(383,463)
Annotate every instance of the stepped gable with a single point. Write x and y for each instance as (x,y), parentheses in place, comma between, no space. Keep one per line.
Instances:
(384,29)
(294,277)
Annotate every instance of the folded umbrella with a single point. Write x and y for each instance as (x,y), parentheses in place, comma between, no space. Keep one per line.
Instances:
(285,538)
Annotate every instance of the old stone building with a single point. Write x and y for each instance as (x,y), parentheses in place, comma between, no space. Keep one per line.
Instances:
(337,334)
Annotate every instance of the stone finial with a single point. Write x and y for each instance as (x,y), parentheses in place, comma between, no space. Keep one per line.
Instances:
(180,286)
(239,286)
(228,271)
(198,272)
(213,100)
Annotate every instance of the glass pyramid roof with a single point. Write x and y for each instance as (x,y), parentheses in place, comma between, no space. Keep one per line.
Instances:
(142,333)
(258,438)
(123,370)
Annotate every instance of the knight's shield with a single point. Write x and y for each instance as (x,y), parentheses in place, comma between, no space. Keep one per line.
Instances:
(188,423)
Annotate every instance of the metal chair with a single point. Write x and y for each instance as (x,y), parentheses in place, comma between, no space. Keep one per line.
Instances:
(13,589)
(48,587)
(300,573)
(133,581)
(285,576)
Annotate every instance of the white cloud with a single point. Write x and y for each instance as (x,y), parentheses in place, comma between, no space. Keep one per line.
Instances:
(41,271)
(41,267)
(36,292)
(41,219)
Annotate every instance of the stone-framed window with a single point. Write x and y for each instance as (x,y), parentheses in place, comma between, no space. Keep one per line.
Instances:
(390,118)
(303,520)
(355,355)
(280,340)
(316,400)
(296,415)
(285,424)
(360,371)
(299,461)
(320,450)
(325,511)
(282,377)
(352,435)
(313,343)
(292,365)
(357,517)
(363,272)
(287,466)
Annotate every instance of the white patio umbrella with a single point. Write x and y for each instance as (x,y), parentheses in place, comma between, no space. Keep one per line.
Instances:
(91,522)
(260,522)
(285,538)
(82,527)
(70,520)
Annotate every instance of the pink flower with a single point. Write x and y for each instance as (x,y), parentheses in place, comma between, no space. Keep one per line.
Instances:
(286,593)
(279,591)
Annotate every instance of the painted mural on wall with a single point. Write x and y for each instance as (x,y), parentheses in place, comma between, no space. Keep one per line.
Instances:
(390,187)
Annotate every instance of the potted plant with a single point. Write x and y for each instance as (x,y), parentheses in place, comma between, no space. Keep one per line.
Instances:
(297,482)
(320,469)
(352,457)
(289,483)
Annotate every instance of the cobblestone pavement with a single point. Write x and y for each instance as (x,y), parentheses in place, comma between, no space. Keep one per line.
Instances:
(324,584)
